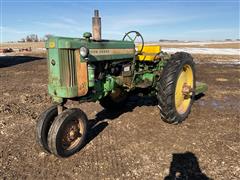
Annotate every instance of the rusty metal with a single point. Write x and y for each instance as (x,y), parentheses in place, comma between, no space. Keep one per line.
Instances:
(186,89)
(82,75)
(96,26)
(72,135)
(68,70)
(60,109)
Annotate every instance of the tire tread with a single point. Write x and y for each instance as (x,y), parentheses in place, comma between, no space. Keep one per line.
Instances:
(166,87)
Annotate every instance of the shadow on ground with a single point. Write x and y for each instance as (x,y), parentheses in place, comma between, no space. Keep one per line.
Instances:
(185,166)
(7,61)
(199,96)
(97,125)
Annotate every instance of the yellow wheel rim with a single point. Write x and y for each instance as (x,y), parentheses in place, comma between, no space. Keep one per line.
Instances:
(183,89)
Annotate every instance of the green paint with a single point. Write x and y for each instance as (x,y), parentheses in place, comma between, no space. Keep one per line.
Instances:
(109,84)
(110,57)
(91,76)
(62,75)
(76,43)
(148,77)
(61,91)
(200,88)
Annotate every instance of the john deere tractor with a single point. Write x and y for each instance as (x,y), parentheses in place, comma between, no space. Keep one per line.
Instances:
(92,69)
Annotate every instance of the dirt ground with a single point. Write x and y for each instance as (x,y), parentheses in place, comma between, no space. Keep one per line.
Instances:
(21,45)
(131,144)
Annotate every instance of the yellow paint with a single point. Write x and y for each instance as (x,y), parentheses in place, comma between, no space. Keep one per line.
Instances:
(148,53)
(51,44)
(182,102)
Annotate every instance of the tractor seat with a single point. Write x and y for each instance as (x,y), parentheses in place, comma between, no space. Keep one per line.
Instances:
(149,53)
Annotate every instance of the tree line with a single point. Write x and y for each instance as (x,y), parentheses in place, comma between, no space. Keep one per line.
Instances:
(34,38)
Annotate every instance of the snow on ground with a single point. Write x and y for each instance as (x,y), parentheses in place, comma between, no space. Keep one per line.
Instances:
(218,51)
(193,43)
(224,62)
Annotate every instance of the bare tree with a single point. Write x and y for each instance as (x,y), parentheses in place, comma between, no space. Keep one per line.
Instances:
(32,38)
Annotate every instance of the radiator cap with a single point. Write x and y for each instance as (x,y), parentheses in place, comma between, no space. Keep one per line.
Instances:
(87,35)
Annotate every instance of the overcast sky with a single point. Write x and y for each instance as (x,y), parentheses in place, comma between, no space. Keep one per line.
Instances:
(169,19)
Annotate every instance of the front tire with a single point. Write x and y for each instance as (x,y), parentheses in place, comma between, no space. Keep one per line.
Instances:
(176,88)
(44,123)
(68,133)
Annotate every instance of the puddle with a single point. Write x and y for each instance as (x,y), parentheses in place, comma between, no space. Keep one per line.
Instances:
(217,105)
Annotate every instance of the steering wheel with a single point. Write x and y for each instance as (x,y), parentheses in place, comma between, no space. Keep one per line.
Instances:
(135,37)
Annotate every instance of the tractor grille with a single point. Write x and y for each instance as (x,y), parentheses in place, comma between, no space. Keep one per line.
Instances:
(67,67)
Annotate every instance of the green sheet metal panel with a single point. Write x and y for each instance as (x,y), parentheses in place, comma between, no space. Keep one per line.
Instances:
(62,74)
(61,60)
(99,50)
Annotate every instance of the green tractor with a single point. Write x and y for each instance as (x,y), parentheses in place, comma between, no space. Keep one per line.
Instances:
(90,69)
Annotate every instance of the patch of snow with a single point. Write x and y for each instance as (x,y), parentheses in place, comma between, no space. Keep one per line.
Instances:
(223,62)
(2,54)
(43,49)
(218,51)
(193,43)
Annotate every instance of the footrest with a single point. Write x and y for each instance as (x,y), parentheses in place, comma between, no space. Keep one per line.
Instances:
(200,88)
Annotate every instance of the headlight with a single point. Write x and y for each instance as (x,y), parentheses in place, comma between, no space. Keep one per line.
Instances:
(84,51)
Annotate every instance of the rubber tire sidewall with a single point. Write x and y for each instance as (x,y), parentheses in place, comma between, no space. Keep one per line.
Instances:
(57,128)
(167,87)
(43,125)
(183,116)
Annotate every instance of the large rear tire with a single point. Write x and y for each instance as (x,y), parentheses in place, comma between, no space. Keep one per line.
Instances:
(68,133)
(176,88)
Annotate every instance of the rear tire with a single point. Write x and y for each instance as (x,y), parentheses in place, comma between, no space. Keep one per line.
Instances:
(68,133)
(180,65)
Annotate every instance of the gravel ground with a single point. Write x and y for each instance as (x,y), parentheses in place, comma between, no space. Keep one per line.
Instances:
(131,144)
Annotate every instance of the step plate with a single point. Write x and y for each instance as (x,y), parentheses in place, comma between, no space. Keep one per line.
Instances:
(200,88)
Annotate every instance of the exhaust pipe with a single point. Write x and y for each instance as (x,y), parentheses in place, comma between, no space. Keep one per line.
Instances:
(96,26)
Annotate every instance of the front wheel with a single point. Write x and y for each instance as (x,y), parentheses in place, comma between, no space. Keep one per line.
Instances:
(176,88)
(44,123)
(68,133)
